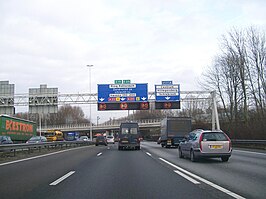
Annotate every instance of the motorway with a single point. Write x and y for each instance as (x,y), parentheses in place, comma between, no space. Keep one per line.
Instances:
(152,172)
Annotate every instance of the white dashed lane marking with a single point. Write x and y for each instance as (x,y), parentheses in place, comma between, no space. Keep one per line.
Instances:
(62,178)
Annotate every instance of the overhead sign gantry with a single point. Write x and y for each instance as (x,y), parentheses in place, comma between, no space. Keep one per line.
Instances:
(167,95)
(123,95)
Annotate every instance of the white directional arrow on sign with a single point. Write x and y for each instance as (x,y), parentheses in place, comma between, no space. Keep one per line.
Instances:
(101,99)
(123,99)
(167,98)
(143,98)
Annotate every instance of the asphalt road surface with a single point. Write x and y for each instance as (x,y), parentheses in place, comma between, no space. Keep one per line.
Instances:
(152,172)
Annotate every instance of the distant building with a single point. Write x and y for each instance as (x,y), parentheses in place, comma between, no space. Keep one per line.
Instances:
(43,100)
(7,98)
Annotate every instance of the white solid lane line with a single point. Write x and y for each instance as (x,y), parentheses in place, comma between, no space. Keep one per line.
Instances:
(203,180)
(182,174)
(187,177)
(99,154)
(62,178)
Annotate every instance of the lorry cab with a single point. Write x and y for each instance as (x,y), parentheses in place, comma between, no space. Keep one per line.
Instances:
(129,136)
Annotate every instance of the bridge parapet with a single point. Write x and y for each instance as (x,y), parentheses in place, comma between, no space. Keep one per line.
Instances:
(112,124)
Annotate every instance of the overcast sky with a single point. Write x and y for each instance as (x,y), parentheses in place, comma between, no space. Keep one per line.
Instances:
(147,41)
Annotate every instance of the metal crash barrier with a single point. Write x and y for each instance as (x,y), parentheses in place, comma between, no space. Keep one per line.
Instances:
(14,148)
(256,144)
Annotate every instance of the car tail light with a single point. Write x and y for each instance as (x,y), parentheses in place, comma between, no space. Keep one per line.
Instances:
(230,142)
(200,140)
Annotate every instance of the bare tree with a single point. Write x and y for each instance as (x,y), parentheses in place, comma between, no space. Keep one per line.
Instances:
(68,115)
(238,75)
(234,52)
(257,69)
(221,77)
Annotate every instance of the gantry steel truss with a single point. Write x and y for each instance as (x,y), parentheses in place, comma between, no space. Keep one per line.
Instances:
(87,98)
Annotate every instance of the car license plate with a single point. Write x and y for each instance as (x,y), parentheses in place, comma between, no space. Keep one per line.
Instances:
(216,146)
(124,141)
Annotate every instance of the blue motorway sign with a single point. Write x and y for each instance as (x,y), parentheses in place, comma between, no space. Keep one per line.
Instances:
(122,92)
(167,92)
(167,82)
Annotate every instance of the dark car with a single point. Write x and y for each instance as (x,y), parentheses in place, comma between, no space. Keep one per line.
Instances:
(37,139)
(100,140)
(5,139)
(206,144)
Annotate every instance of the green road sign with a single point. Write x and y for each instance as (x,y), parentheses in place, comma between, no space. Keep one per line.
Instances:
(127,81)
(118,81)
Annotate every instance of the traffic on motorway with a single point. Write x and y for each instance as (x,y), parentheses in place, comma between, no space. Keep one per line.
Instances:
(152,172)
(181,164)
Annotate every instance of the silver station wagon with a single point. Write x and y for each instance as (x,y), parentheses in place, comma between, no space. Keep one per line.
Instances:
(206,144)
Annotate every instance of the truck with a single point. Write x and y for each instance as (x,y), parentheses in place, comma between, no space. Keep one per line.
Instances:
(71,136)
(173,130)
(19,130)
(129,136)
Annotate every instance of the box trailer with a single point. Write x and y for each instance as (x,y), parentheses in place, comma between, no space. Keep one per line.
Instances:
(173,130)
(19,130)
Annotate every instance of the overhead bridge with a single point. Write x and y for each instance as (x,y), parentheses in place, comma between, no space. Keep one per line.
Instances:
(114,125)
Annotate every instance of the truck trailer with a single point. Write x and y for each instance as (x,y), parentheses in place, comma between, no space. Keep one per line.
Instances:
(18,129)
(173,130)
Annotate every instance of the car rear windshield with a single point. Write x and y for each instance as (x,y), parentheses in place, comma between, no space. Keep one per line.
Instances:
(100,138)
(129,131)
(214,136)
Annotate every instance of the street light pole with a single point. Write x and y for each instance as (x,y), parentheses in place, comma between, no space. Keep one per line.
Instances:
(90,66)
(40,124)
(98,120)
